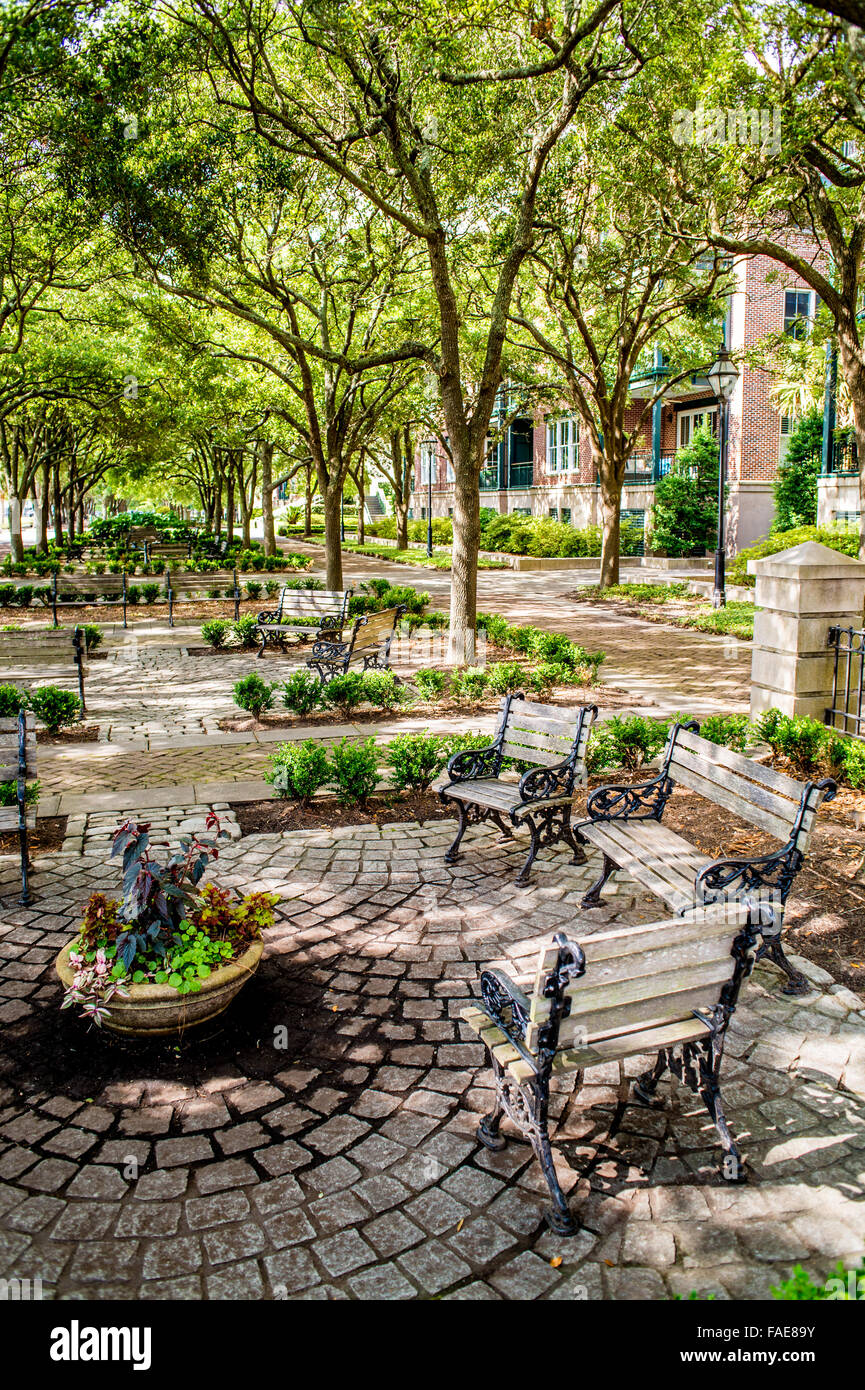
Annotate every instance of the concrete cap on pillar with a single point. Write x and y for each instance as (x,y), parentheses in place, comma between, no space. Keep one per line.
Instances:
(810,560)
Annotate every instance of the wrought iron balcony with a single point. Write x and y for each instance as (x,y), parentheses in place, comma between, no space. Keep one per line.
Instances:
(843,456)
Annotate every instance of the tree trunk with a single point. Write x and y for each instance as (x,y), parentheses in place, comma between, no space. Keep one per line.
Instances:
(400,506)
(267,499)
(307,510)
(611,474)
(57,502)
(361,497)
(229,507)
(332,541)
(15,537)
(464,563)
(852,359)
(44,489)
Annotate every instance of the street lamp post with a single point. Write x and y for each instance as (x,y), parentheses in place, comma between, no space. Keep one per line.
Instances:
(429,505)
(722,376)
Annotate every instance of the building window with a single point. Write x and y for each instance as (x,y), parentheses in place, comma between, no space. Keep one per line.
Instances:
(689,421)
(851,519)
(566,515)
(797,313)
(521,511)
(554,513)
(563,442)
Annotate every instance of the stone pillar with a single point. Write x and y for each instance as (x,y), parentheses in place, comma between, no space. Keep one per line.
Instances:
(800,594)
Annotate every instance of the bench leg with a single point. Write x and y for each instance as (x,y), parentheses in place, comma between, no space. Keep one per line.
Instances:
(453,852)
(732,1166)
(527,1105)
(26,896)
(507,833)
(488,1129)
(593,897)
(579,854)
(523,875)
(646,1084)
(796,982)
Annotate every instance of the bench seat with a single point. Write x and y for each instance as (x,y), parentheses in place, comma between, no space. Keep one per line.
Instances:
(659,858)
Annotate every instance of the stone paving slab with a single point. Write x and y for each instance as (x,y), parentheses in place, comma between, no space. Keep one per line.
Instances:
(320,1142)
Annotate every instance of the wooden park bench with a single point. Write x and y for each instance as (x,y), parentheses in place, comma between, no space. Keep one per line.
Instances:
(668,989)
(553,738)
(368,646)
(302,612)
(18,765)
(624,823)
(46,648)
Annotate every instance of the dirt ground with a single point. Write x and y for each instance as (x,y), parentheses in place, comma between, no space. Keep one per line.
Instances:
(46,837)
(271,817)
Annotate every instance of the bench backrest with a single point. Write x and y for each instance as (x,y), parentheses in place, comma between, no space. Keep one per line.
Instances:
(10,746)
(372,629)
(544,734)
(770,800)
(53,644)
(645,975)
(315,602)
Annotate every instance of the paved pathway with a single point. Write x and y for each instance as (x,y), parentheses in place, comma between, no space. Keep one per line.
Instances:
(322,1144)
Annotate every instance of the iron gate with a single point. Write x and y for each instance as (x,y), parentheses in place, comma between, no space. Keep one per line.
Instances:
(845,712)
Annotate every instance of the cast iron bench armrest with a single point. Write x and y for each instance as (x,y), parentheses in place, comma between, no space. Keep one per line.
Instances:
(272,615)
(323,646)
(473,763)
(644,801)
(542,783)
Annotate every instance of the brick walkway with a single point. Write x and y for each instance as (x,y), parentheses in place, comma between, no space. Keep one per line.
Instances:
(321,1145)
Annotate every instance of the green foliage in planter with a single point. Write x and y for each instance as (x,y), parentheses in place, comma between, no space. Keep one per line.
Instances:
(544,677)
(150,592)
(429,683)
(416,760)
(9,793)
(382,690)
(729,730)
(495,626)
(505,676)
(840,538)
(7,595)
(55,707)
(215,632)
(271,588)
(93,635)
(12,701)
(807,744)
(344,692)
(842,1286)
(355,770)
(253,694)
(307,583)
(297,770)
(253,588)
(795,486)
(685,507)
(245,630)
(469,684)
(214,593)
(301,693)
(133,594)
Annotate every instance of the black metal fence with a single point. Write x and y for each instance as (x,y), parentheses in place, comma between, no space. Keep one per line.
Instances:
(845,712)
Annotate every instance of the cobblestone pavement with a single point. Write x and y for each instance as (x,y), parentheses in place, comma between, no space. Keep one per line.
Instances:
(320,1144)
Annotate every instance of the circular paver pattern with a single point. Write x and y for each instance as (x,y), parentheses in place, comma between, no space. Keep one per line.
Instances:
(320,1142)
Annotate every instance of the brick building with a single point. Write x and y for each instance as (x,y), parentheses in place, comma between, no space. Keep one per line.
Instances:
(543,466)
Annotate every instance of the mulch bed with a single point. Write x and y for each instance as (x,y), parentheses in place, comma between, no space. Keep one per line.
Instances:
(825,918)
(46,837)
(78,733)
(271,817)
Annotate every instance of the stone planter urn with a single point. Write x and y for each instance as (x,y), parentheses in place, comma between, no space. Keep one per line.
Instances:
(150,1011)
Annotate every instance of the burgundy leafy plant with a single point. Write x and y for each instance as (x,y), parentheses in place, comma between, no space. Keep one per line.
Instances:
(158,897)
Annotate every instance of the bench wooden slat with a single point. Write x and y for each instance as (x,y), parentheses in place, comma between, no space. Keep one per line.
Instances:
(9,818)
(532,755)
(742,798)
(551,719)
(613,836)
(671,995)
(758,772)
(642,1041)
(533,738)
(487,792)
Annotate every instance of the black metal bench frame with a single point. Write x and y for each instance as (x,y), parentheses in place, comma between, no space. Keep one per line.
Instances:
(271,628)
(548,824)
(333,658)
